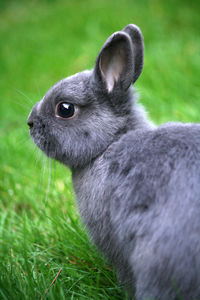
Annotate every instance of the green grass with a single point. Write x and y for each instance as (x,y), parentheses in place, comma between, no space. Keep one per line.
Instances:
(40,43)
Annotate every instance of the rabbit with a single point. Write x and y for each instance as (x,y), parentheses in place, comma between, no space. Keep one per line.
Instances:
(137,185)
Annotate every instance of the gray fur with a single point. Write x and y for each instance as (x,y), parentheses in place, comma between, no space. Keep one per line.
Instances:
(137,185)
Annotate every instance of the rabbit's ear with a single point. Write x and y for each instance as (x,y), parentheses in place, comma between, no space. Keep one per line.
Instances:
(120,60)
(138,48)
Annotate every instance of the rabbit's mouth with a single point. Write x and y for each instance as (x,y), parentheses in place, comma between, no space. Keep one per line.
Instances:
(39,135)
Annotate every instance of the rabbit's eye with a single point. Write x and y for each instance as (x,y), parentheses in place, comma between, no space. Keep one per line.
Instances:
(66,110)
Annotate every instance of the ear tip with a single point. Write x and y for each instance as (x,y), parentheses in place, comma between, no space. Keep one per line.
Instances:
(132,29)
(118,35)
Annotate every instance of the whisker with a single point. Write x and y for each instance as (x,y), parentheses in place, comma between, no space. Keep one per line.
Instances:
(24,105)
(44,159)
(30,101)
(21,142)
(38,155)
(49,184)
(54,170)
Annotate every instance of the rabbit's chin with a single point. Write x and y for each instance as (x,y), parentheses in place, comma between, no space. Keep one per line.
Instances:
(47,148)
(53,151)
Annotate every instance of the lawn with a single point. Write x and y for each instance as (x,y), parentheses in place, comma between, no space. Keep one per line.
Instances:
(41,42)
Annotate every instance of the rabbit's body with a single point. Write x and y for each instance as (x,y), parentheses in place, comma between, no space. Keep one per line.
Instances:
(148,231)
(137,186)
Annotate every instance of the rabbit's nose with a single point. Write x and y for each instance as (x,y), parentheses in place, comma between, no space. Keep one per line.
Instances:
(32,115)
(30,121)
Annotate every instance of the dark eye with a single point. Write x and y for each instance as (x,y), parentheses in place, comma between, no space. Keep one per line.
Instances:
(66,110)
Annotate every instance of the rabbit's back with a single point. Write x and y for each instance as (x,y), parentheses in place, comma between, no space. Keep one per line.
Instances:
(140,200)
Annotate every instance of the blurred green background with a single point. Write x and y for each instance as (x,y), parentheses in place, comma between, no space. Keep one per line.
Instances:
(40,43)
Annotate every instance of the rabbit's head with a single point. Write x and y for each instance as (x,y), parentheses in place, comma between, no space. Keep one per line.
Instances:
(81,115)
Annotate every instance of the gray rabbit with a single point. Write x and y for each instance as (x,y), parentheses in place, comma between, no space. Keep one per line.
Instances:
(137,185)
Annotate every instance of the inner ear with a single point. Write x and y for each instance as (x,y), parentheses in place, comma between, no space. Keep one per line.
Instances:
(113,62)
